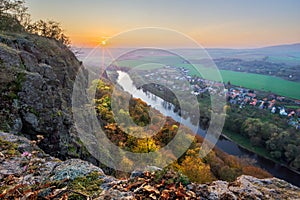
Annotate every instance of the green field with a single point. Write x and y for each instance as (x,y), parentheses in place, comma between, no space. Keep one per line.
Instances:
(252,81)
(264,83)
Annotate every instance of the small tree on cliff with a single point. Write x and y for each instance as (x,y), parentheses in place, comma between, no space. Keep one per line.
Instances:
(14,15)
(49,29)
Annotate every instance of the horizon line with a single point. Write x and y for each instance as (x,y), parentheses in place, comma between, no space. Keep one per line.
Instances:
(218,47)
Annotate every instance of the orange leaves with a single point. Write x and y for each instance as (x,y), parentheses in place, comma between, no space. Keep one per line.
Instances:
(256,172)
(165,185)
(21,191)
(194,167)
(18,191)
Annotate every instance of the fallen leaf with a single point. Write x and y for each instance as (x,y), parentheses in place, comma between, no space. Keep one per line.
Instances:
(3,193)
(149,188)
(133,185)
(152,196)
(56,192)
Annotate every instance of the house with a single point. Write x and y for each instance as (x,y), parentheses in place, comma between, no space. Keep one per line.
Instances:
(280,98)
(261,106)
(291,114)
(273,110)
(282,112)
(254,102)
(271,104)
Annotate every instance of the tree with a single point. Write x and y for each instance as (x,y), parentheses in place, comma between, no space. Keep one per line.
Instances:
(291,152)
(145,145)
(252,127)
(14,15)
(268,129)
(194,167)
(296,163)
(229,174)
(256,172)
(49,29)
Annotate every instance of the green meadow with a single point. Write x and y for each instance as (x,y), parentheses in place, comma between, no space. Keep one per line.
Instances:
(263,82)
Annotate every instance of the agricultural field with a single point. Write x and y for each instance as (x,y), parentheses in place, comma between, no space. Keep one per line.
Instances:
(263,82)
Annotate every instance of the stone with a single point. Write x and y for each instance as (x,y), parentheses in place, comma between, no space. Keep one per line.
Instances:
(137,173)
(17,126)
(32,120)
(73,168)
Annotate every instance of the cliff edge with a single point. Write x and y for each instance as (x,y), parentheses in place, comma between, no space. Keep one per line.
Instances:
(36,82)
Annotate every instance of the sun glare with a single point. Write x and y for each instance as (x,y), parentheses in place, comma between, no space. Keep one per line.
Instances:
(103,42)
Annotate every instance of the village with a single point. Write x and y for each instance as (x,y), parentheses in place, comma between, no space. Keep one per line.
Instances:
(242,97)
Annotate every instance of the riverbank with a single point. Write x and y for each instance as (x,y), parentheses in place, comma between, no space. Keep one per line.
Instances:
(244,143)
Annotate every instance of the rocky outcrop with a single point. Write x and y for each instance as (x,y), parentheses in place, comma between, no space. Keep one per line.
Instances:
(171,185)
(29,173)
(248,187)
(36,82)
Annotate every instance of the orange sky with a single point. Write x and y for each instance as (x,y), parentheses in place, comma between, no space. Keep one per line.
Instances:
(231,23)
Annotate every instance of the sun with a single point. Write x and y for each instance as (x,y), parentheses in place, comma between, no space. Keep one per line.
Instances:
(103,43)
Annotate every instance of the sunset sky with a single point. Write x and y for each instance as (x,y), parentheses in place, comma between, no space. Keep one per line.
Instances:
(213,23)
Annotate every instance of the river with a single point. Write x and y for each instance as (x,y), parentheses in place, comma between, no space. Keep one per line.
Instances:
(224,144)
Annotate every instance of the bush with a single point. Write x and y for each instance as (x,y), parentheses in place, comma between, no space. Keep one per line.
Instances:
(49,29)
(8,23)
(14,18)
(13,14)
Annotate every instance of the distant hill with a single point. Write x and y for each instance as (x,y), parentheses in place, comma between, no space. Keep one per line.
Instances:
(284,47)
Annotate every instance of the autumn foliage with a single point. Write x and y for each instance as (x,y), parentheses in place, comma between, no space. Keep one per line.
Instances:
(216,165)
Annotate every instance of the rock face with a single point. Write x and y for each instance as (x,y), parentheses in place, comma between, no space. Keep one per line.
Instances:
(28,173)
(36,80)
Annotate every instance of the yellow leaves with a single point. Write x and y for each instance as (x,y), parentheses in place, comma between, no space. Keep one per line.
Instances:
(174,127)
(145,145)
(100,85)
(106,88)
(193,167)
(196,170)
(99,88)
(226,108)
(112,127)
